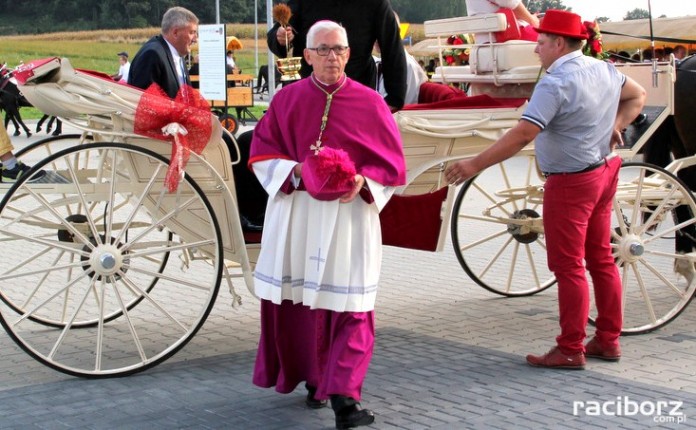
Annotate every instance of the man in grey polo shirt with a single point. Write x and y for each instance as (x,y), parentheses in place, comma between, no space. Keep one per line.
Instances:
(576,115)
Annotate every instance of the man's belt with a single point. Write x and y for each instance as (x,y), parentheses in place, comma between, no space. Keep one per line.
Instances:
(589,168)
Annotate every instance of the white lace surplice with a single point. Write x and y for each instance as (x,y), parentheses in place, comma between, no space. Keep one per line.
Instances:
(324,254)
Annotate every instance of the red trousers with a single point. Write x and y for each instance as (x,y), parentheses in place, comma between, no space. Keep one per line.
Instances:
(577,226)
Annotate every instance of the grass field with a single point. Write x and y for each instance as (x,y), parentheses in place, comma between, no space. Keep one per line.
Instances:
(96,50)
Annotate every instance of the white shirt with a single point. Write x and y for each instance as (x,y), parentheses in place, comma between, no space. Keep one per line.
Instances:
(178,63)
(415,76)
(124,70)
(574,105)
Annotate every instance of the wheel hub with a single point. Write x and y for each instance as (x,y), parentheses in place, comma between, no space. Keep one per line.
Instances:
(630,248)
(105,259)
(522,233)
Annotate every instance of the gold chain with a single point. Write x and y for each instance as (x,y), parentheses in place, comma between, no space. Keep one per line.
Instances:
(325,118)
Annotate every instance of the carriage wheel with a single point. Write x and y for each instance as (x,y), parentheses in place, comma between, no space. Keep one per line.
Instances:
(229,122)
(40,150)
(497,232)
(644,231)
(47,146)
(60,268)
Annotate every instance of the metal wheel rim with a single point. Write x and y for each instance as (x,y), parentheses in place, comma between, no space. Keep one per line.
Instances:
(487,248)
(164,320)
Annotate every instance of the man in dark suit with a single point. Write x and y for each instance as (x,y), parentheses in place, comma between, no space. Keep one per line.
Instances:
(367,22)
(161,59)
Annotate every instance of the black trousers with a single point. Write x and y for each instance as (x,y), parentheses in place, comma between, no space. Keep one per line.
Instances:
(251,197)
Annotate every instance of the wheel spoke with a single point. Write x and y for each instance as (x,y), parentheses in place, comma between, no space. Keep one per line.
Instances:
(489,228)
(85,285)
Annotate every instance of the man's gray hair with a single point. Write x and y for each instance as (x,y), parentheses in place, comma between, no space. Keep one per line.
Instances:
(177,17)
(325,26)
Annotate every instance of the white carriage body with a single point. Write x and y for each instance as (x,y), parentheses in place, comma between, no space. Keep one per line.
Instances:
(106,111)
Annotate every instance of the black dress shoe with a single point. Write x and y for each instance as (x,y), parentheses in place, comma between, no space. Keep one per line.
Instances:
(247,225)
(354,417)
(312,402)
(349,414)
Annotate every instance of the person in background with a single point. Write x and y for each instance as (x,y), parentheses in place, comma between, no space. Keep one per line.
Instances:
(621,57)
(123,68)
(262,78)
(367,22)
(430,68)
(415,75)
(161,59)
(679,52)
(194,70)
(647,55)
(660,54)
(12,169)
(318,270)
(229,60)
(478,7)
(582,174)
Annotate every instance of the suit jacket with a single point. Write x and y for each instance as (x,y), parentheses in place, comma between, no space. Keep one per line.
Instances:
(154,63)
(366,22)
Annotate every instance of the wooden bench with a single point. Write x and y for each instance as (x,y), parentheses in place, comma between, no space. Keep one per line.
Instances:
(241,95)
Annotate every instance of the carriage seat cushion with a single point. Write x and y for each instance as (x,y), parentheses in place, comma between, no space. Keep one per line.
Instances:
(482,101)
(430,92)
(503,56)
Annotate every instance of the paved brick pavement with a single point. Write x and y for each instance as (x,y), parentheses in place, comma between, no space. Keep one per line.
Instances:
(449,355)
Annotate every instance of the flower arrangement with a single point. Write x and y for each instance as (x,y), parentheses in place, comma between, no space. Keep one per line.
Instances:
(457,55)
(593,47)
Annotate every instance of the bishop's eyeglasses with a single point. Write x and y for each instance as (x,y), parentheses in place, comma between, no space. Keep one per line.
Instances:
(324,50)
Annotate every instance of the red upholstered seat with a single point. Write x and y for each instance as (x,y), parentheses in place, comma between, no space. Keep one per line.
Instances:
(482,101)
(430,92)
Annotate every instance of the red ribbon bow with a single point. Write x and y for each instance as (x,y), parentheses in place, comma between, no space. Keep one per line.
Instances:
(184,121)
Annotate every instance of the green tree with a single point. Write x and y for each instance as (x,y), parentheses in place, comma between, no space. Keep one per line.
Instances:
(539,6)
(637,14)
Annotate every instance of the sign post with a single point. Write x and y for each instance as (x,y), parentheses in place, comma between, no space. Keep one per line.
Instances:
(211,57)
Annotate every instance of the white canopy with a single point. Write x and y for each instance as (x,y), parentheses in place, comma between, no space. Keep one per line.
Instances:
(677,30)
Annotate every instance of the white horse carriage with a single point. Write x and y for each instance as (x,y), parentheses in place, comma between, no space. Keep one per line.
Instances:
(105,272)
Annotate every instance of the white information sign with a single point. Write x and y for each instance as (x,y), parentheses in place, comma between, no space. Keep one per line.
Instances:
(211,57)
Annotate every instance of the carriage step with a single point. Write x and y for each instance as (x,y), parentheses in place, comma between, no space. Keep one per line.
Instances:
(634,131)
(51,177)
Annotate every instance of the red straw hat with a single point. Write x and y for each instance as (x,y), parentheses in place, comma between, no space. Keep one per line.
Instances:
(562,23)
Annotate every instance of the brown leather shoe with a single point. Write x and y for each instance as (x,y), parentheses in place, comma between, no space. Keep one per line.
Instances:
(593,349)
(555,359)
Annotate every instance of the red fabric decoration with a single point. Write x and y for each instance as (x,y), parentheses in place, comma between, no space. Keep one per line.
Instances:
(482,101)
(413,221)
(430,92)
(329,174)
(184,121)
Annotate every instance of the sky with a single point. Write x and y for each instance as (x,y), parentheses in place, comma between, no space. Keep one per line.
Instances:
(615,10)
